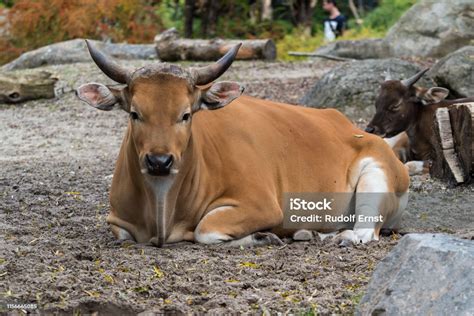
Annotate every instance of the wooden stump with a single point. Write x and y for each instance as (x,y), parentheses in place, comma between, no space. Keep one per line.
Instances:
(172,48)
(15,88)
(453,144)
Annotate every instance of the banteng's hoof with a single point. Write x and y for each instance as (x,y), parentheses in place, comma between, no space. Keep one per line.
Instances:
(267,239)
(303,235)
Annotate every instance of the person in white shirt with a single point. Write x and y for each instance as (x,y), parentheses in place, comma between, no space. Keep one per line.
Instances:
(335,24)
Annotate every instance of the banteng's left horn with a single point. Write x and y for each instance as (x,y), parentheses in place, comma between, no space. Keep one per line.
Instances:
(113,70)
(205,75)
(412,80)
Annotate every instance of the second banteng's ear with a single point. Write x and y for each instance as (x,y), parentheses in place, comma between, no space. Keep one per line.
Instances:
(220,94)
(432,95)
(102,97)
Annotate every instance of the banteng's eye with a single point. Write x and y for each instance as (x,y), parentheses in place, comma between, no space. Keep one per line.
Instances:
(396,106)
(134,116)
(186,117)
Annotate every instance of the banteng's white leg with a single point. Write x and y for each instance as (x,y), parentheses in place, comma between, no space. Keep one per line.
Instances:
(375,206)
(416,167)
(122,235)
(232,226)
(400,146)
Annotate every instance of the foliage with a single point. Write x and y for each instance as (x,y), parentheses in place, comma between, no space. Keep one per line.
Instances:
(298,41)
(234,21)
(6,3)
(362,32)
(386,14)
(35,23)
(171,13)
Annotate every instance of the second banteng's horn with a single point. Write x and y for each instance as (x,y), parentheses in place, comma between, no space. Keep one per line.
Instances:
(412,80)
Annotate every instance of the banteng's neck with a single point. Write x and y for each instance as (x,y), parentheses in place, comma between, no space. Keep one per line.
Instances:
(163,191)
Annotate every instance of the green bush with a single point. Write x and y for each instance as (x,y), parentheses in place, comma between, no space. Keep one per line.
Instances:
(387,14)
(299,42)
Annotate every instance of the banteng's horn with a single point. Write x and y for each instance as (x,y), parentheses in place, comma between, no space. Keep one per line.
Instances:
(412,80)
(113,70)
(205,75)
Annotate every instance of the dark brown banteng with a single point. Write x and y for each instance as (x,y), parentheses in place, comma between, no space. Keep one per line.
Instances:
(401,107)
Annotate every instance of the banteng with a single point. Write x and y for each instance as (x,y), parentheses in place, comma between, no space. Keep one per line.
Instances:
(401,108)
(201,163)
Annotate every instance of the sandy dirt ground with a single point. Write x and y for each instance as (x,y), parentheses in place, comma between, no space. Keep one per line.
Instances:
(57,157)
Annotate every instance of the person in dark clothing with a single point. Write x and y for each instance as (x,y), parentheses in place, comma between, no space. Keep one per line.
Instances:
(335,24)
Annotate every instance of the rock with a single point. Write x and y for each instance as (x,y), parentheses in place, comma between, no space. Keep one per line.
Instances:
(433,28)
(360,49)
(75,51)
(353,87)
(456,72)
(425,274)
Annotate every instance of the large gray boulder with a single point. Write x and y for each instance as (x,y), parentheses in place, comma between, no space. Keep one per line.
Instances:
(425,274)
(74,51)
(353,87)
(456,72)
(433,28)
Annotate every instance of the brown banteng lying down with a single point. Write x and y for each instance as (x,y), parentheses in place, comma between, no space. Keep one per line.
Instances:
(405,114)
(193,166)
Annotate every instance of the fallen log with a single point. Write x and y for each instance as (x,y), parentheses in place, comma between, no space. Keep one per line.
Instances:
(170,47)
(453,144)
(15,88)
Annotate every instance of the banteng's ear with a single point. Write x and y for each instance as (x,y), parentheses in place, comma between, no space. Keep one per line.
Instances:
(220,94)
(432,95)
(103,97)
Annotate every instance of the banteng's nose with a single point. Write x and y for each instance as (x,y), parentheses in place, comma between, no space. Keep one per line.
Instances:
(159,165)
(369,129)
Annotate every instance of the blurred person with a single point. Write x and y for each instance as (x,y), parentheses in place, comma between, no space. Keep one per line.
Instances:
(335,24)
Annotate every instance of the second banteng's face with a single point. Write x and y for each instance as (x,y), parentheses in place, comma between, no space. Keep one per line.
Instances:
(397,105)
(161,100)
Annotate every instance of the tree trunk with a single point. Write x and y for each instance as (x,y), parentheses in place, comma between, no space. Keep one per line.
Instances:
(303,14)
(353,8)
(19,88)
(176,9)
(213,17)
(360,4)
(203,8)
(189,18)
(453,144)
(209,11)
(172,48)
